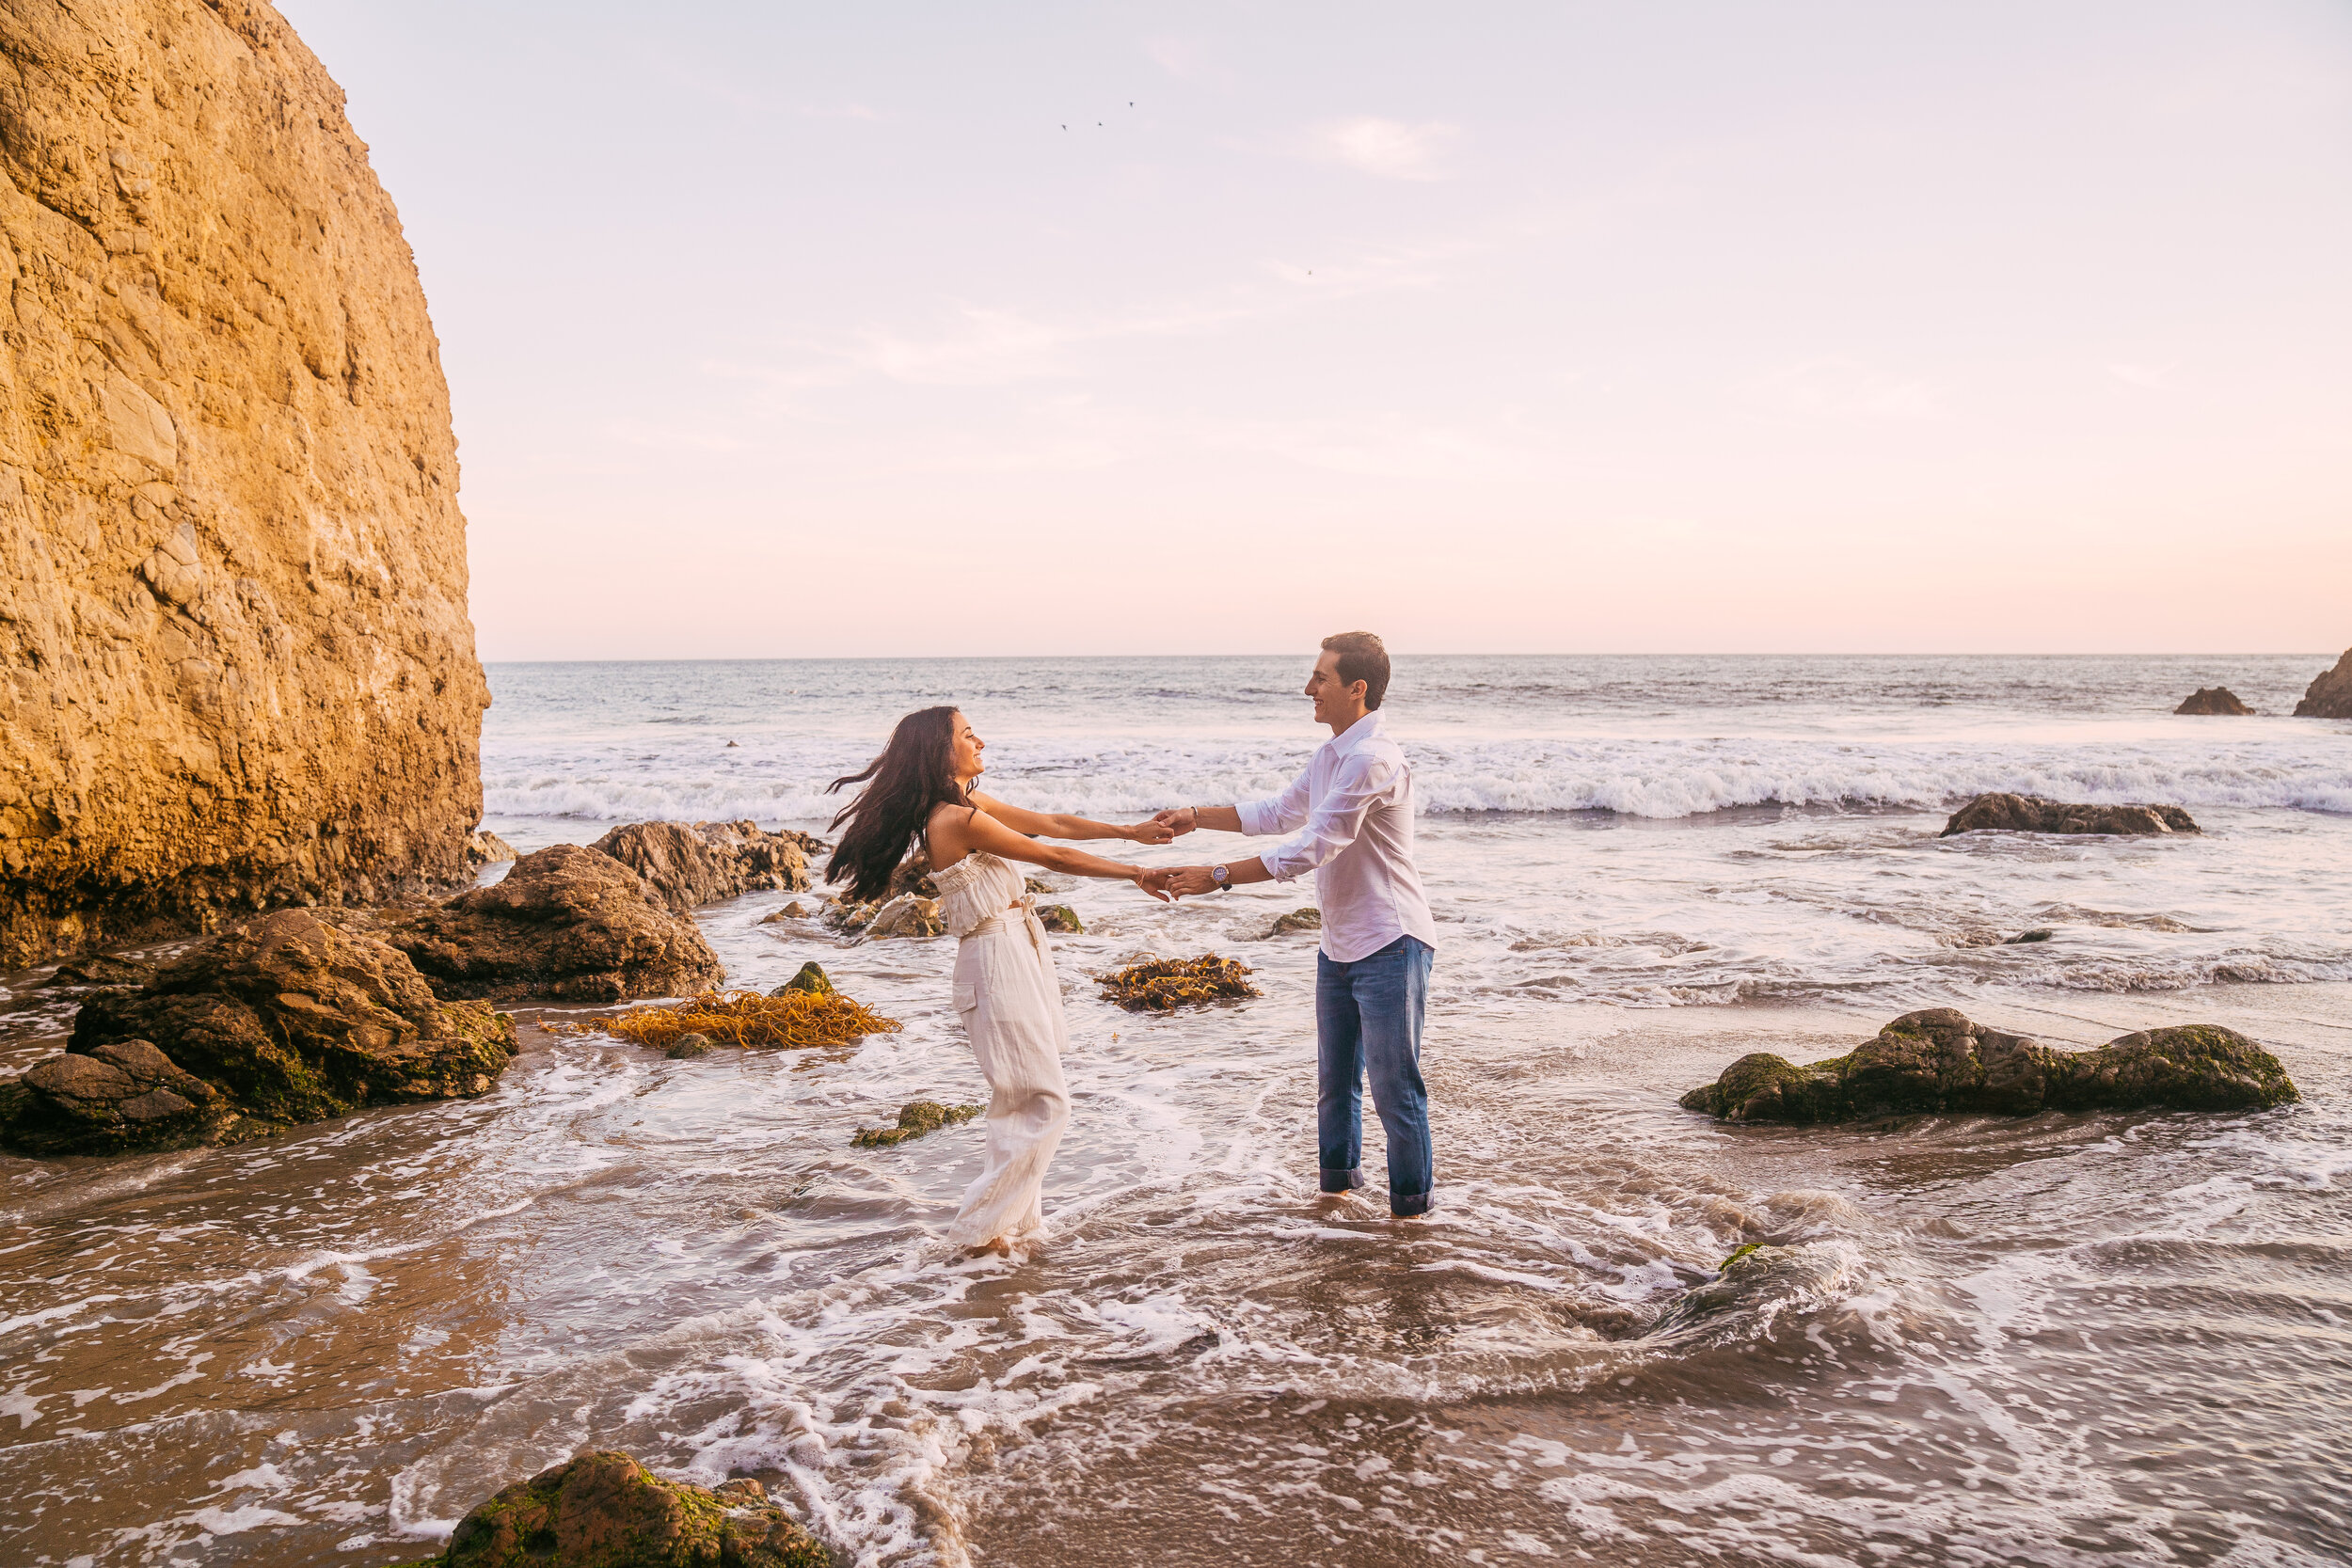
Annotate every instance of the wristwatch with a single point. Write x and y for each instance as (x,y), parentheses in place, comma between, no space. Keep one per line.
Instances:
(1224,878)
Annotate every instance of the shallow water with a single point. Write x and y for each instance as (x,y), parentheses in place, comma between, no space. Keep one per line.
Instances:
(2111,1338)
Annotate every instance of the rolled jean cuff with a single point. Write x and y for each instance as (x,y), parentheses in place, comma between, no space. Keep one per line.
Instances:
(1343,1180)
(1402,1204)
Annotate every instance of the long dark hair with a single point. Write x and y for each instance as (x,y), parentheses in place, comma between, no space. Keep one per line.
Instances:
(914,772)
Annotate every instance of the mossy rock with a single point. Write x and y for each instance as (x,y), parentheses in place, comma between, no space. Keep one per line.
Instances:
(1938,1062)
(687,1047)
(915,1118)
(1308,918)
(604,1509)
(812,979)
(1060,917)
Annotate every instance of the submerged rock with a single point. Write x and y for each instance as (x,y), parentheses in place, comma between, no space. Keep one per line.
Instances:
(2039,934)
(915,1118)
(794,911)
(812,978)
(604,1509)
(99,968)
(284,1020)
(2213,700)
(2330,696)
(2031,814)
(690,865)
(568,924)
(910,914)
(1308,918)
(1060,917)
(1938,1061)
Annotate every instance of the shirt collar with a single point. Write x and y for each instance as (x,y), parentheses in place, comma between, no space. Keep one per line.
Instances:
(1356,734)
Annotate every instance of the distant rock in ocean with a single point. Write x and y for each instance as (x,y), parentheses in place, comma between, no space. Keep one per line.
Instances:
(2213,700)
(234,563)
(2330,695)
(2031,814)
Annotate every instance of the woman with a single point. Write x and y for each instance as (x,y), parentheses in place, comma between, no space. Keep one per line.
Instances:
(920,788)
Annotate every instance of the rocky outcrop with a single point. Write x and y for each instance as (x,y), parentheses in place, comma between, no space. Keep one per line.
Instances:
(239,671)
(691,865)
(604,1509)
(910,914)
(566,923)
(1308,918)
(124,1094)
(2031,814)
(484,847)
(2211,701)
(99,969)
(1938,1061)
(286,1019)
(2330,695)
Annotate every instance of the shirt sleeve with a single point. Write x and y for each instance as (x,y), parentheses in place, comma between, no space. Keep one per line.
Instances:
(1284,813)
(1360,784)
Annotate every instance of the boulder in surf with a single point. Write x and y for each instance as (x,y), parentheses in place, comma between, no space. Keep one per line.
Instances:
(284,1020)
(604,1509)
(566,923)
(1938,1061)
(2032,813)
(693,863)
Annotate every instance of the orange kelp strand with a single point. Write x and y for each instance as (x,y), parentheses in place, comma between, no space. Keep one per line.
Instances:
(1167,984)
(797,1021)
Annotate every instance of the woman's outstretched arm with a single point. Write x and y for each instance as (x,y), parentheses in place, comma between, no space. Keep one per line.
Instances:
(1055,825)
(960,832)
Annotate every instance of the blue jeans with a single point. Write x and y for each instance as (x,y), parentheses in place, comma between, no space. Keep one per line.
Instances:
(1368,1016)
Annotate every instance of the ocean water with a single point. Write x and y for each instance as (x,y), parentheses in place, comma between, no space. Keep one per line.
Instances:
(2114,1339)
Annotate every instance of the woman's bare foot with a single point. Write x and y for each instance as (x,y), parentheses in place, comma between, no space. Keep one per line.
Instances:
(998,1248)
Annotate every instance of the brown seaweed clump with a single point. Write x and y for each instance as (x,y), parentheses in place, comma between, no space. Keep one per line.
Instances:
(1165,984)
(915,1118)
(794,1021)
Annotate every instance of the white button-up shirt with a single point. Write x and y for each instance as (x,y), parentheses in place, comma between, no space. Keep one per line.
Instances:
(1350,817)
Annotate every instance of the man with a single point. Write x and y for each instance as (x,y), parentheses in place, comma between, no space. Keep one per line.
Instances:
(1350,817)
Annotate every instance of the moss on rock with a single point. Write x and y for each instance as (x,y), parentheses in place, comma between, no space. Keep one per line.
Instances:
(1938,1061)
(604,1509)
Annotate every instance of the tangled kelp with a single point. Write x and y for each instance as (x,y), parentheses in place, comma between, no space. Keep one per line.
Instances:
(794,1021)
(1166,984)
(915,1118)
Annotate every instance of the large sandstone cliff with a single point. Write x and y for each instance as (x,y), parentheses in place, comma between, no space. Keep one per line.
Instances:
(239,669)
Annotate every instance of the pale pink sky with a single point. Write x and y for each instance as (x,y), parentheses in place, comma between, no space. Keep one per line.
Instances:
(1673,327)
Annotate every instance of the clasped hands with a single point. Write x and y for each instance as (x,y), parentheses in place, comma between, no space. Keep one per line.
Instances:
(1169,883)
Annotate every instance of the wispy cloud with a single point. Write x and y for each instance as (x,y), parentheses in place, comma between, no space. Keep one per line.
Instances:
(1389,148)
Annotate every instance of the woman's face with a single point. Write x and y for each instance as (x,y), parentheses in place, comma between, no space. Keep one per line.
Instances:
(965,750)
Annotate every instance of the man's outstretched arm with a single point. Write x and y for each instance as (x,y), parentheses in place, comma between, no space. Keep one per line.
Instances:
(1184,819)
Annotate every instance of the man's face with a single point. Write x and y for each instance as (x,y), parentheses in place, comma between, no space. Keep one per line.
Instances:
(1335,699)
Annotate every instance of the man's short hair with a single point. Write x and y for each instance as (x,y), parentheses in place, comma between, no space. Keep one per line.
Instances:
(1361,659)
